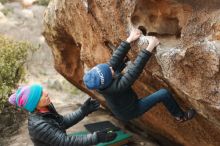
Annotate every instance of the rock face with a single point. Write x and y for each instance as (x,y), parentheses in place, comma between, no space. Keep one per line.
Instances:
(83,33)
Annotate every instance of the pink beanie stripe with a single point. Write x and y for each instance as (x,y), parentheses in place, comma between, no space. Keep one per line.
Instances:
(24,94)
(20,93)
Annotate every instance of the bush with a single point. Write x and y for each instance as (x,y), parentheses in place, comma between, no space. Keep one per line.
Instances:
(5,1)
(43,2)
(12,58)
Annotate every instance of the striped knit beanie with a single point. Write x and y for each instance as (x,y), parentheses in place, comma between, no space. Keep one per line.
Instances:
(27,97)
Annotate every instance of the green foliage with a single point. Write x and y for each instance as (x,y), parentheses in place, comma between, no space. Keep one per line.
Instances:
(5,1)
(12,58)
(40,2)
(75,91)
(43,2)
(70,88)
(6,11)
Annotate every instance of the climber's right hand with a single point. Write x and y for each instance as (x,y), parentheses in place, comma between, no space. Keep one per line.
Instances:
(153,43)
(134,35)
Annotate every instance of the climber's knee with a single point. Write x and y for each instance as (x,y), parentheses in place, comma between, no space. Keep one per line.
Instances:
(164,91)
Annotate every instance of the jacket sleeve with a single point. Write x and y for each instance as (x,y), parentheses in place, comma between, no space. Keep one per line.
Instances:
(52,135)
(133,71)
(118,56)
(73,118)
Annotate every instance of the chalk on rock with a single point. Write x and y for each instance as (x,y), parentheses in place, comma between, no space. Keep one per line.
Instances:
(142,42)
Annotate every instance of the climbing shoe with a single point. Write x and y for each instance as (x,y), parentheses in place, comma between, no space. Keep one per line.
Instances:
(188,115)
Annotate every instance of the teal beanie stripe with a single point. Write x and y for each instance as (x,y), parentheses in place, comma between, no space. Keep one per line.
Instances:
(33,97)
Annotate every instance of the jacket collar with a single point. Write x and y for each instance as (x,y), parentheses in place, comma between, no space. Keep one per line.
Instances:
(52,111)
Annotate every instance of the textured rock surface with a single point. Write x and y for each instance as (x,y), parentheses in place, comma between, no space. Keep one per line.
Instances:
(83,33)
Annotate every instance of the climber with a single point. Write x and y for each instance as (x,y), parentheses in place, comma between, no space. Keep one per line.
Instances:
(116,88)
(48,128)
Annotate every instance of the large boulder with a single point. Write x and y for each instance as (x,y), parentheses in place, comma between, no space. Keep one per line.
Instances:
(82,33)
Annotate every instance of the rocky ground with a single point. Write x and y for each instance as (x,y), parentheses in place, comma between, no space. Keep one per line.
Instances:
(26,24)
